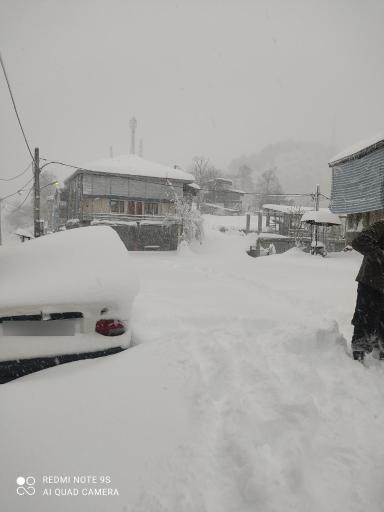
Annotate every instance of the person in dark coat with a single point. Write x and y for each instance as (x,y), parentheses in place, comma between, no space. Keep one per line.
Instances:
(368,319)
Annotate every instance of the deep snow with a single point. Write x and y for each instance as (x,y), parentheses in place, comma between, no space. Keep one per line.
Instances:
(70,270)
(240,395)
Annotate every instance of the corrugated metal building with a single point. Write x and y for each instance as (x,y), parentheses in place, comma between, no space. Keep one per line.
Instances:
(358,184)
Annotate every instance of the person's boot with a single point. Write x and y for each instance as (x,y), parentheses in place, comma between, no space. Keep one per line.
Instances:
(358,355)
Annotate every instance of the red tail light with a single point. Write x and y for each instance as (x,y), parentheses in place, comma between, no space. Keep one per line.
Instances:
(110,327)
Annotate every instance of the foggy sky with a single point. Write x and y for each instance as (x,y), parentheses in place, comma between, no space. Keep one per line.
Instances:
(205,77)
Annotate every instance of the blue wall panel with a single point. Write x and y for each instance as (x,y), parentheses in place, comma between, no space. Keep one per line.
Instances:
(357,185)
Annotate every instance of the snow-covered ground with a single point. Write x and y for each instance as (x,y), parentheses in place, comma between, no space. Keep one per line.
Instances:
(229,222)
(238,397)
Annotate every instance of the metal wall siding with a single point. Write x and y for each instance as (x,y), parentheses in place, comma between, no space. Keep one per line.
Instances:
(87,184)
(119,186)
(357,185)
(98,185)
(137,188)
(157,190)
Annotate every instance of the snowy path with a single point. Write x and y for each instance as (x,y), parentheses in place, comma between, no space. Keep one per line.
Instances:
(287,420)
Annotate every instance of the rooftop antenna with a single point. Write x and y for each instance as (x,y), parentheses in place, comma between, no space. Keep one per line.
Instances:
(141,148)
(133,126)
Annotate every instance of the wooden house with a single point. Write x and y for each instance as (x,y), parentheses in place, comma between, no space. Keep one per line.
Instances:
(125,187)
(358,183)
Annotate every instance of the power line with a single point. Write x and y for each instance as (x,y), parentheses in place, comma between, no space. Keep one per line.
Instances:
(25,198)
(17,175)
(22,189)
(14,106)
(80,168)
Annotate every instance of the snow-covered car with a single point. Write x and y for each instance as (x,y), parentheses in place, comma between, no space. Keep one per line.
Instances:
(64,297)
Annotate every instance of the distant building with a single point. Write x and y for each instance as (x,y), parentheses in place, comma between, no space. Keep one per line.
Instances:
(292,221)
(219,194)
(125,187)
(358,184)
(285,219)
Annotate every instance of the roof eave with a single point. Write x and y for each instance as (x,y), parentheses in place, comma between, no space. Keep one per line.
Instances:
(357,154)
(136,176)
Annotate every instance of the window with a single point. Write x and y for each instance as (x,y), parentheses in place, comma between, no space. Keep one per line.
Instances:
(139,208)
(116,206)
(151,209)
(131,207)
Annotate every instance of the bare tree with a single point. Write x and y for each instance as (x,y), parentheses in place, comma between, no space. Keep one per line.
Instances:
(204,171)
(267,185)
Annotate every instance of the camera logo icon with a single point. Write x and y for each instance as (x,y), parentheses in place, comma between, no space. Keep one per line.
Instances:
(25,485)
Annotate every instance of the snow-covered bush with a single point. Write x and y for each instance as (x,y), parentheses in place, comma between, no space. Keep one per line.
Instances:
(189,216)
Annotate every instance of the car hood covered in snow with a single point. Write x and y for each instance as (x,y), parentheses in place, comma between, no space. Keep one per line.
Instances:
(82,269)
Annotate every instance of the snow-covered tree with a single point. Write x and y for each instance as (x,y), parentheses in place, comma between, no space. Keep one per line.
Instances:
(189,216)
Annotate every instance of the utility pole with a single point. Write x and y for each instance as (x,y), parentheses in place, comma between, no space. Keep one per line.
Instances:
(36,195)
(1,206)
(317,198)
(247,222)
(317,201)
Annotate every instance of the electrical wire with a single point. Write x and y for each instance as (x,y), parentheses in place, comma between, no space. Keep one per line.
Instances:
(21,204)
(17,175)
(22,189)
(14,106)
(80,168)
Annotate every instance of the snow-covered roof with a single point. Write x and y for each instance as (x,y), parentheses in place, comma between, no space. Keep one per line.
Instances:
(359,149)
(218,207)
(221,180)
(323,216)
(75,270)
(194,185)
(286,208)
(133,165)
